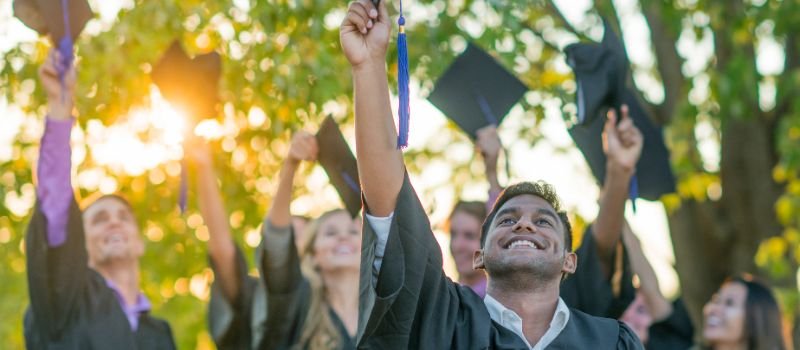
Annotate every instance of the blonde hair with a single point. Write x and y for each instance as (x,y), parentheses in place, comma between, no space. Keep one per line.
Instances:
(318,330)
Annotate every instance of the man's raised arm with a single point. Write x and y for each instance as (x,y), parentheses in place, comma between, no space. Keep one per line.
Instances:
(622,144)
(364,36)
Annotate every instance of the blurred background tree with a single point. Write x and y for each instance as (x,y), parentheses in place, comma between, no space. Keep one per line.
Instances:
(732,123)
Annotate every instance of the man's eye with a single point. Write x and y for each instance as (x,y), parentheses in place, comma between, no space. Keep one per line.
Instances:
(507,221)
(544,222)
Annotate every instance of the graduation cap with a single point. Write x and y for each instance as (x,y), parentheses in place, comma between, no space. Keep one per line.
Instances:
(476,91)
(190,84)
(63,20)
(653,172)
(48,17)
(601,71)
(340,165)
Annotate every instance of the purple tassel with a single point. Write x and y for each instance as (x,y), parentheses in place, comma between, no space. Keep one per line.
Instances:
(64,48)
(402,82)
(184,187)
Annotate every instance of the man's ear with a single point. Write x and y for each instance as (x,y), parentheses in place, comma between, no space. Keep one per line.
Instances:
(570,263)
(477,260)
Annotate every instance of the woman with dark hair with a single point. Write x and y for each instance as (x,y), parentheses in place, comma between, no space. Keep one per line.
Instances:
(743,314)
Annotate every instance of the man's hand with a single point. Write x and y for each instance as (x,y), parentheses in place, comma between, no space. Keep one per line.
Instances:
(303,147)
(622,143)
(60,98)
(364,33)
(488,144)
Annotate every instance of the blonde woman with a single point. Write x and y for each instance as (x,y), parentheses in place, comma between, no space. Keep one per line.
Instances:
(313,296)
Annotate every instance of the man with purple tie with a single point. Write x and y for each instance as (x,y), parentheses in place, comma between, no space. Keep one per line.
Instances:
(83,266)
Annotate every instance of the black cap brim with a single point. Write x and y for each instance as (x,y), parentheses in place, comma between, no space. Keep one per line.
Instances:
(476,91)
(47,16)
(340,165)
(653,171)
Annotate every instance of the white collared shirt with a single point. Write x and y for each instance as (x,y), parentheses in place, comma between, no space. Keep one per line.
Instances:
(510,320)
(498,313)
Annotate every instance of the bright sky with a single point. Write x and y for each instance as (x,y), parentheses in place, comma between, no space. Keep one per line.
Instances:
(568,172)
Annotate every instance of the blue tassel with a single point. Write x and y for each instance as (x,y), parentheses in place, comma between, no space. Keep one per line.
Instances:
(633,192)
(350,182)
(402,83)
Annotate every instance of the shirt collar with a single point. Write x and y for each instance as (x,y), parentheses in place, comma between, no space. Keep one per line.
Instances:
(479,288)
(510,320)
(142,304)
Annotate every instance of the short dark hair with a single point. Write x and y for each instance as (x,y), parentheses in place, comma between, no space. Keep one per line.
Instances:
(539,189)
(762,317)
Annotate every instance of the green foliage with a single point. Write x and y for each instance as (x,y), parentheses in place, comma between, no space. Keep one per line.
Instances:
(282,58)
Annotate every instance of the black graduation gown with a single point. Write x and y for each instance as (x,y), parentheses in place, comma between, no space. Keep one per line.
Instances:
(289,295)
(590,291)
(237,324)
(413,305)
(72,307)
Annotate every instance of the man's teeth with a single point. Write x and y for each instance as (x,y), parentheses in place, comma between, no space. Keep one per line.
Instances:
(522,243)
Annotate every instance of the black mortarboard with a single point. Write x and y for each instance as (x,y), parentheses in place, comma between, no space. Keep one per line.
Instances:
(600,74)
(476,91)
(190,84)
(340,165)
(653,171)
(47,16)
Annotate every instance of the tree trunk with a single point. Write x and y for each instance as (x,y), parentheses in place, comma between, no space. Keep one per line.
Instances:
(715,240)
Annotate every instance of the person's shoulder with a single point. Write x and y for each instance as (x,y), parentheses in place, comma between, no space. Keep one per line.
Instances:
(602,330)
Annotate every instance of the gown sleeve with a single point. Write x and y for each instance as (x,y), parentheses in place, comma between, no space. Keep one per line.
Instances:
(57,276)
(56,253)
(229,320)
(288,292)
(412,304)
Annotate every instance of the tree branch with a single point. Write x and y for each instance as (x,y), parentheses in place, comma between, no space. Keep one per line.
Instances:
(668,61)
(553,10)
(541,36)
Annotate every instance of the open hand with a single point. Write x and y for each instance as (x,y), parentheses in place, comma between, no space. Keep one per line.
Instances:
(622,143)
(364,33)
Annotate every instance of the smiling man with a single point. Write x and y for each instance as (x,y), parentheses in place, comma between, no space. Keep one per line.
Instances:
(406,301)
(83,268)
